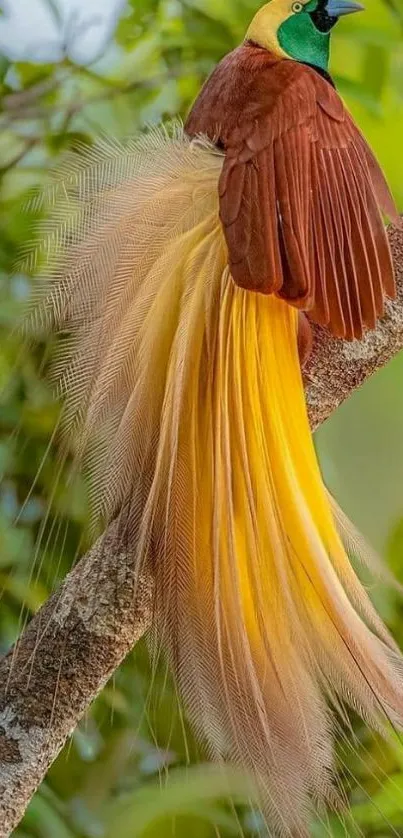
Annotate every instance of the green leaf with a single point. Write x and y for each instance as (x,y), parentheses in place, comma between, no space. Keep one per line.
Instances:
(42,817)
(185,789)
(385,807)
(5,64)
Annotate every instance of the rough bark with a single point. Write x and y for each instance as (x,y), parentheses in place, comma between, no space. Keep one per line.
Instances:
(61,662)
(74,644)
(337,367)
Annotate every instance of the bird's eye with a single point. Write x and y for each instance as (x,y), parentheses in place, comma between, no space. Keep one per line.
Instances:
(297,8)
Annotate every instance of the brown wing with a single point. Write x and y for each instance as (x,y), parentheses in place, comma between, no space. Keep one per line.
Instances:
(300,201)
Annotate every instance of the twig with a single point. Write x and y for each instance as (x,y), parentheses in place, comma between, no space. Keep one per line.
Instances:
(28,146)
(76,641)
(21,99)
(32,110)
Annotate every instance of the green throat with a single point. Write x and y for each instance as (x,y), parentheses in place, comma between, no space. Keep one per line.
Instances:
(301,40)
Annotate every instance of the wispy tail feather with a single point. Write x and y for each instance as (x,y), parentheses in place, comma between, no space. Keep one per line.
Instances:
(187,392)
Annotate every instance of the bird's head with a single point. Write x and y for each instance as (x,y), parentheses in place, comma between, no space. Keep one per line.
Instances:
(299,29)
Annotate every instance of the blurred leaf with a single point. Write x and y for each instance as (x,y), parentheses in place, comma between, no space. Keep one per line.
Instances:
(67,140)
(16,548)
(45,820)
(395,551)
(385,809)
(190,790)
(333,827)
(376,69)
(28,593)
(4,65)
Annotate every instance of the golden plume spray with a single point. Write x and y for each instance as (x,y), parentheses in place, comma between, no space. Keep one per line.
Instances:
(185,393)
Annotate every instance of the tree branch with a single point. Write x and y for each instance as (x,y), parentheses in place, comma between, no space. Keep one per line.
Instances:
(81,635)
(336,367)
(61,662)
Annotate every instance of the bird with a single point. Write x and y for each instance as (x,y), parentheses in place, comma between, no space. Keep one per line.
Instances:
(183,270)
(283,126)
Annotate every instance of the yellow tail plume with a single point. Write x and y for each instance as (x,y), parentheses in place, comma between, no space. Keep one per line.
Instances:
(186,393)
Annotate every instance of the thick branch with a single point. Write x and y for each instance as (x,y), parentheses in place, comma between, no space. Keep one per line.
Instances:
(74,644)
(61,662)
(336,367)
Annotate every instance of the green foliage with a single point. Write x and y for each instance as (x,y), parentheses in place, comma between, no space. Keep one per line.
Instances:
(111,779)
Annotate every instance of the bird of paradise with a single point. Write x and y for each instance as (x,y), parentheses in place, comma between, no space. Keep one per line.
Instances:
(186,267)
